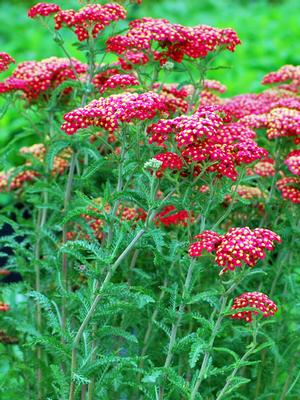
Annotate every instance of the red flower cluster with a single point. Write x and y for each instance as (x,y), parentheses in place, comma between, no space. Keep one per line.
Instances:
(131,58)
(4,306)
(256,300)
(216,86)
(171,216)
(278,122)
(175,41)
(207,95)
(43,10)
(262,103)
(204,136)
(285,73)
(174,97)
(180,92)
(90,19)
(238,246)
(293,162)
(119,81)
(37,77)
(169,161)
(109,112)
(290,188)
(5,60)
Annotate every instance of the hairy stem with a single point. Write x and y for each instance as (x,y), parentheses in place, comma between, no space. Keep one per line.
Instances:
(176,324)
(93,307)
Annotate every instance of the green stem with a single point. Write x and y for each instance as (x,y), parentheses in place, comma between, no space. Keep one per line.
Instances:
(237,367)
(176,325)
(214,333)
(229,209)
(93,307)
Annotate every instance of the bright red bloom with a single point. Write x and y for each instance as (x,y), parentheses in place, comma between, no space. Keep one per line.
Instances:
(92,17)
(43,10)
(293,162)
(290,188)
(174,89)
(109,112)
(285,73)
(175,41)
(252,104)
(131,58)
(208,240)
(211,84)
(169,161)
(171,216)
(119,81)
(256,300)
(36,77)
(238,246)
(174,97)
(5,60)
(205,136)
(101,78)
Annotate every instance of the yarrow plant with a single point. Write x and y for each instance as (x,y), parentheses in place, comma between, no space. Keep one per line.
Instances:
(131,166)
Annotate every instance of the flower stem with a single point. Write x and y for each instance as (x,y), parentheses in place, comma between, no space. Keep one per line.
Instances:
(176,325)
(234,372)
(93,307)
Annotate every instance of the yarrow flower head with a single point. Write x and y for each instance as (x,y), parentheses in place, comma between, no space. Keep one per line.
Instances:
(279,122)
(171,216)
(259,302)
(110,112)
(168,160)
(5,60)
(92,18)
(293,162)
(35,78)
(290,188)
(285,73)
(238,246)
(119,81)
(252,105)
(43,10)
(207,95)
(213,85)
(174,41)
(205,136)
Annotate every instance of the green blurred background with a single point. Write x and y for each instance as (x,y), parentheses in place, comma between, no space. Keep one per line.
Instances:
(269,30)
